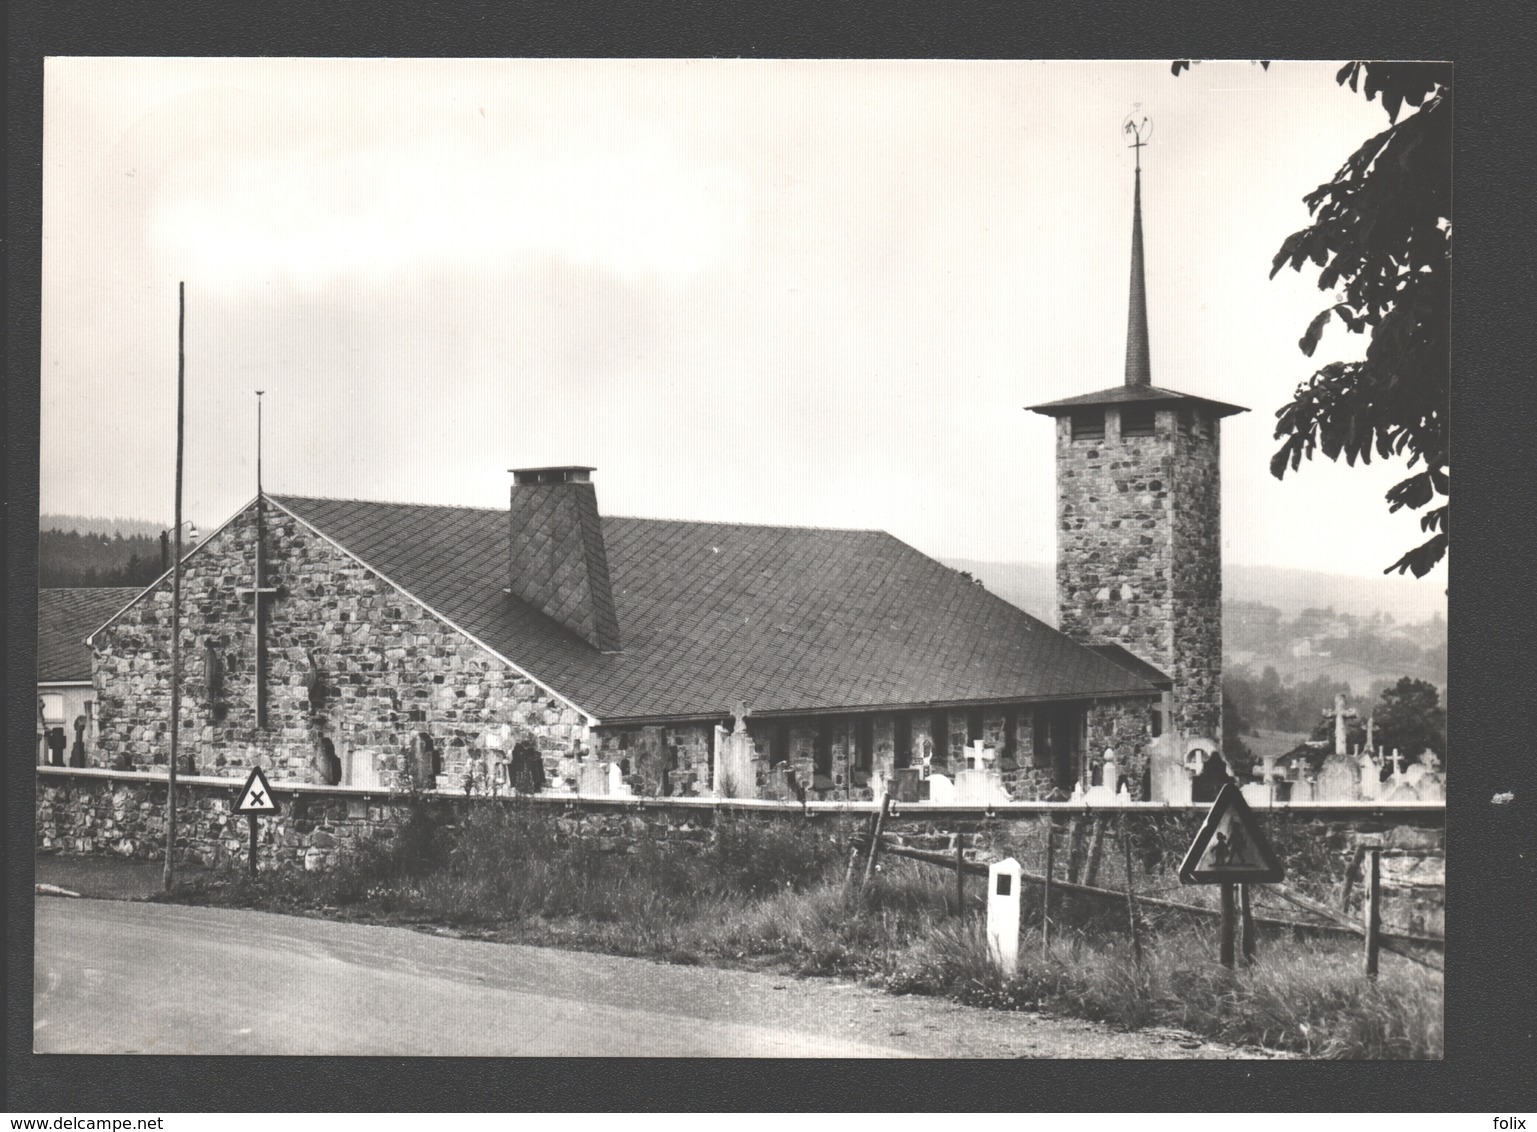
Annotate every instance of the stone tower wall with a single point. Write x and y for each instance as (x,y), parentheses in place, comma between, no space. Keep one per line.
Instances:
(1139,552)
(1197,576)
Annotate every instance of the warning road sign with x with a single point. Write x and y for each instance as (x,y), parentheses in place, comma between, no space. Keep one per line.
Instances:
(256,796)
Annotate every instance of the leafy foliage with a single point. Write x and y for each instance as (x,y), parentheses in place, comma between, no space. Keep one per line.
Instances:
(1410,719)
(1381,239)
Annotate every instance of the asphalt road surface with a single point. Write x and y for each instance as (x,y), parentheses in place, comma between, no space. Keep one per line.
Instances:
(116,977)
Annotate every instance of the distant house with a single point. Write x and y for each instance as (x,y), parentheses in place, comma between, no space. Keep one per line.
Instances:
(64,689)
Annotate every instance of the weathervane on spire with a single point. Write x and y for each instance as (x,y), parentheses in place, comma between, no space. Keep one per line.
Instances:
(1139,127)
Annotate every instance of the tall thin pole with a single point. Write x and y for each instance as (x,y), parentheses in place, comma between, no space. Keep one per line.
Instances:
(181,398)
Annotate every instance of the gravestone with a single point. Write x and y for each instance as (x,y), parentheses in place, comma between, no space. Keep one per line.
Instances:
(1170,779)
(362,770)
(1256,793)
(56,744)
(327,765)
(617,787)
(907,783)
(941,789)
(77,751)
(424,761)
(734,751)
(1339,780)
(1104,793)
(590,777)
(527,769)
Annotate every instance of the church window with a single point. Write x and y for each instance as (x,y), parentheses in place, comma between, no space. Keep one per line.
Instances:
(1185,420)
(823,763)
(1010,735)
(974,725)
(864,742)
(1088,424)
(779,747)
(902,740)
(1138,420)
(939,736)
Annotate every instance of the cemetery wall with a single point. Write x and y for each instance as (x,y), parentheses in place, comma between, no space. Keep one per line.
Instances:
(122,814)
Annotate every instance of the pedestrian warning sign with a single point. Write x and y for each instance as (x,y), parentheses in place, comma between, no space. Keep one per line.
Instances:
(256,796)
(1230,847)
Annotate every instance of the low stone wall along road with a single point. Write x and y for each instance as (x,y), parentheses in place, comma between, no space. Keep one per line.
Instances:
(117,977)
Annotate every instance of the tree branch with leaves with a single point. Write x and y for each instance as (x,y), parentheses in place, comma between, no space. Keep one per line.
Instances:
(1381,240)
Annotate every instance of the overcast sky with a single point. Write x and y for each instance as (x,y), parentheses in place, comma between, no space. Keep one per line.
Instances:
(785,292)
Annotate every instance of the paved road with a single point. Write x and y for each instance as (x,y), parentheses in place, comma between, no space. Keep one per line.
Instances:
(115,977)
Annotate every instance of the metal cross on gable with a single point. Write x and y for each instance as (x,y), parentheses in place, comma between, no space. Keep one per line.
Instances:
(259,593)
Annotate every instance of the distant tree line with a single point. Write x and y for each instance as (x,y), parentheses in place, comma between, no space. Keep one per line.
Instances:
(1407,713)
(69,559)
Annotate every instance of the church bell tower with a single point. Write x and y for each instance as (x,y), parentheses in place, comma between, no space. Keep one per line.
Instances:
(1139,514)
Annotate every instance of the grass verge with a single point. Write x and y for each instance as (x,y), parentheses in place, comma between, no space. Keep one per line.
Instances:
(771,894)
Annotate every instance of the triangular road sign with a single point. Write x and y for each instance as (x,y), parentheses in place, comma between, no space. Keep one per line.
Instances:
(1230,848)
(256,796)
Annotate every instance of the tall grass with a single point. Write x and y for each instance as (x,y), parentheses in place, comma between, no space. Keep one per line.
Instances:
(772,893)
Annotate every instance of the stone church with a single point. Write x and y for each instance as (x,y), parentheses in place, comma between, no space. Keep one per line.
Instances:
(374,644)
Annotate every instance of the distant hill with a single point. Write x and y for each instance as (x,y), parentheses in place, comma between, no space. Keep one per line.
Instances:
(1032,586)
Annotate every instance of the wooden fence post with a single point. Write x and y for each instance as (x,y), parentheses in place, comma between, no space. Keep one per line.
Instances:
(1075,849)
(1373,894)
(1131,896)
(1228,918)
(960,876)
(1096,846)
(875,840)
(1250,938)
(1051,840)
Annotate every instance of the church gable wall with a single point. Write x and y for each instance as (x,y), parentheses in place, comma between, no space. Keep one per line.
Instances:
(388,669)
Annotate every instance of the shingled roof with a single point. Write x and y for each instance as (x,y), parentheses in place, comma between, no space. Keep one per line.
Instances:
(64,618)
(1129,394)
(787,619)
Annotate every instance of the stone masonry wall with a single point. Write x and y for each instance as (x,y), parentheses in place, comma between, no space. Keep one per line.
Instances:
(1139,559)
(1123,726)
(388,668)
(1197,578)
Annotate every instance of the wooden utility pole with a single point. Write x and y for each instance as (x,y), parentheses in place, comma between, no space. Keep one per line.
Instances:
(1373,908)
(169,877)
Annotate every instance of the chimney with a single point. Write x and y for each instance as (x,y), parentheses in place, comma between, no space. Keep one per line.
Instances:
(555,547)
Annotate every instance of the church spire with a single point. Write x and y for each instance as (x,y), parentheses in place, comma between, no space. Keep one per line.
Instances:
(1139,371)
